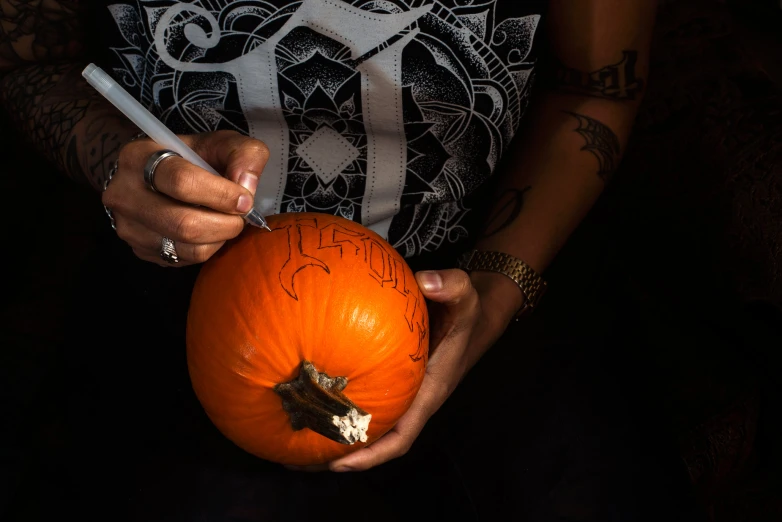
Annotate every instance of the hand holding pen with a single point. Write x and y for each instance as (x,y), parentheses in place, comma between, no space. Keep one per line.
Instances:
(164,197)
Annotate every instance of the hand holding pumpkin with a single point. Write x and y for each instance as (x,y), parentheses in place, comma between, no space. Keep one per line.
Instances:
(309,345)
(143,217)
(461,331)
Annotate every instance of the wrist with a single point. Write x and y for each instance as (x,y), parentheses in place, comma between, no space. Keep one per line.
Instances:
(501,298)
(105,131)
(531,285)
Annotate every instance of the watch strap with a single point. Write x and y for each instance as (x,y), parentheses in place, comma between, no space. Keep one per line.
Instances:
(530,282)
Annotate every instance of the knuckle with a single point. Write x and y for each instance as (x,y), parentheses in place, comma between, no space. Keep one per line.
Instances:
(202,253)
(401,451)
(196,141)
(125,152)
(107,197)
(123,167)
(122,229)
(225,134)
(128,156)
(187,227)
(110,198)
(237,226)
(258,148)
(462,284)
(210,141)
(247,146)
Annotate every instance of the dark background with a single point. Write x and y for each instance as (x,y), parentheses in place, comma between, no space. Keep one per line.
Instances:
(690,236)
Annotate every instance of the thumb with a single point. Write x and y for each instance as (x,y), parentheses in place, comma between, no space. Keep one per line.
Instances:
(449,287)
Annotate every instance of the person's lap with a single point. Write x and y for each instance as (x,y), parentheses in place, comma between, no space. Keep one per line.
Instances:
(537,431)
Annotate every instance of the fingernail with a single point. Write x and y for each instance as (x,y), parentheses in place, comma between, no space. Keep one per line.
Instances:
(245,203)
(343,469)
(248,181)
(431,281)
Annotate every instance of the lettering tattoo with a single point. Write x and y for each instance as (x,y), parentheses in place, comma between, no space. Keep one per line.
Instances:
(505,211)
(618,81)
(65,119)
(601,141)
(39,31)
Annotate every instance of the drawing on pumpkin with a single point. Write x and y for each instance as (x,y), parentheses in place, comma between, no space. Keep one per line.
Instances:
(423,332)
(298,260)
(333,242)
(385,268)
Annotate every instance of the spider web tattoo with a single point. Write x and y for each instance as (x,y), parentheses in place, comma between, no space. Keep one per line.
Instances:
(601,141)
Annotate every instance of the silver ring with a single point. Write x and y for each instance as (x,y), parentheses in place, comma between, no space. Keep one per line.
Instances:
(152,163)
(112,172)
(109,213)
(168,252)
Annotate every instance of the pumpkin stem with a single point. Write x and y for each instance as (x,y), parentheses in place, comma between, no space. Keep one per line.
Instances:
(314,400)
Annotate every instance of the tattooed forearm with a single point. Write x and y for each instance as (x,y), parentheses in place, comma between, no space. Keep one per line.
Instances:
(30,94)
(601,141)
(39,31)
(618,81)
(65,119)
(505,211)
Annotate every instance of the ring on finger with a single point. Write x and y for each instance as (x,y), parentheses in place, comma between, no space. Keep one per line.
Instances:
(111,174)
(152,163)
(168,251)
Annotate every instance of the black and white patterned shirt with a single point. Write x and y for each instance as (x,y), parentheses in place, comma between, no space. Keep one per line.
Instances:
(386,112)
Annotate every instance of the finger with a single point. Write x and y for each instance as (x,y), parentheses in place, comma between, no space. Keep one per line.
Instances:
(455,299)
(450,287)
(397,442)
(183,181)
(233,155)
(309,469)
(189,225)
(154,257)
(178,178)
(141,238)
(175,220)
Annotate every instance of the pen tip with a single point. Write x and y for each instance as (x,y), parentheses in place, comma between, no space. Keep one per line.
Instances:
(255,218)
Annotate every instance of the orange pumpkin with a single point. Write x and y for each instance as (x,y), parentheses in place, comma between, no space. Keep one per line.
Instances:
(307,342)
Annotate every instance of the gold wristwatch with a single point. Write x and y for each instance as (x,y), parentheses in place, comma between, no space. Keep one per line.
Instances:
(531,284)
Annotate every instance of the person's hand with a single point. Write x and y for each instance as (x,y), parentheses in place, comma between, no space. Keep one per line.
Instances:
(466,320)
(143,217)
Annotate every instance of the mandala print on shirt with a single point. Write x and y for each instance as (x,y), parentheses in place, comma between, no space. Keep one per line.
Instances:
(386,112)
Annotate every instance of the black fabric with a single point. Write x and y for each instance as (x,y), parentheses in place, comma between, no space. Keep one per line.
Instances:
(541,429)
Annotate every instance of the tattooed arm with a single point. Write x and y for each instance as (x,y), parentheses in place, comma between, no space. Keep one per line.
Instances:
(42,89)
(36,31)
(66,120)
(577,129)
